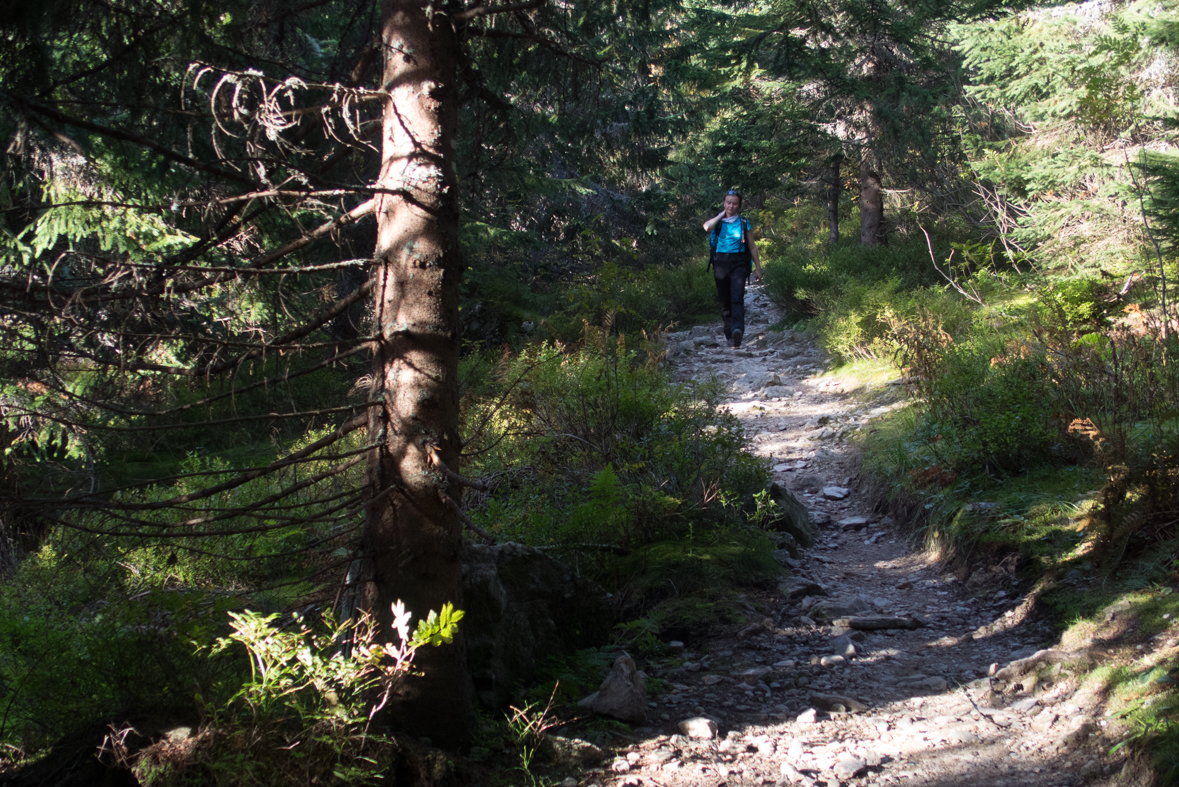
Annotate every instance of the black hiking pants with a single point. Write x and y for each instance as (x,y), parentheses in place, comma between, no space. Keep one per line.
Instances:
(732,272)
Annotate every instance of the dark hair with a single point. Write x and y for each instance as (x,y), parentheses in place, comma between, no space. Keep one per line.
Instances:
(737,194)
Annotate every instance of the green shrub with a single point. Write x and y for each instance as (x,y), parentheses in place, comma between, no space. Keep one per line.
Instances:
(596,444)
(498,305)
(796,279)
(629,301)
(1077,305)
(80,642)
(849,289)
(990,412)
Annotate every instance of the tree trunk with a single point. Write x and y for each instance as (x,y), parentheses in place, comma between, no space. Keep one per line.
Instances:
(833,202)
(412,537)
(872,231)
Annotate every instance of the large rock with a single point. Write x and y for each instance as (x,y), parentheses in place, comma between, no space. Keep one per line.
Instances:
(622,695)
(699,728)
(841,607)
(571,752)
(793,517)
(521,608)
(787,542)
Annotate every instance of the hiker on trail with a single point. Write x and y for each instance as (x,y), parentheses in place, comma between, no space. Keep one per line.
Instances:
(732,240)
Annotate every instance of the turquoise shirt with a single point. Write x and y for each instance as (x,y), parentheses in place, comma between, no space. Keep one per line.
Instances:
(729,235)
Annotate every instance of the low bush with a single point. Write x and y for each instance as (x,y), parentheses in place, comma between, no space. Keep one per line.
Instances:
(595,443)
(500,307)
(628,301)
(848,293)
(990,412)
(81,641)
(593,451)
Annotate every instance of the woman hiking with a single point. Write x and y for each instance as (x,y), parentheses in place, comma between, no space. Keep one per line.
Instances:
(734,248)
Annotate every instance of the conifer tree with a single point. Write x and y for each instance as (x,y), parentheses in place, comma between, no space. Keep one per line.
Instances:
(200,202)
(877,79)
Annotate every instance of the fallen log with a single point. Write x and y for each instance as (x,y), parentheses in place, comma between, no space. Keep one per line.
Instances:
(878,622)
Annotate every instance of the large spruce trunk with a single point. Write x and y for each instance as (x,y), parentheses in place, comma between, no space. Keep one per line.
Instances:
(833,190)
(413,538)
(872,231)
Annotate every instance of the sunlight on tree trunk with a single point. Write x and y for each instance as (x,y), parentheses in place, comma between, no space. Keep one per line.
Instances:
(413,538)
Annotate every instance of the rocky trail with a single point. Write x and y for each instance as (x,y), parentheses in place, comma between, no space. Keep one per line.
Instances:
(872,664)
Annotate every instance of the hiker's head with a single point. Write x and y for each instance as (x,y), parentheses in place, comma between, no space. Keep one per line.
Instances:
(732,203)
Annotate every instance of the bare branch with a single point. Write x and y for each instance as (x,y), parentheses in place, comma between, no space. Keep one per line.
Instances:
(233,483)
(969,296)
(46,416)
(457,509)
(125,136)
(488,10)
(436,460)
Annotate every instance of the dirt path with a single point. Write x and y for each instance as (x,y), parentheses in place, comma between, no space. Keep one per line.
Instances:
(798,701)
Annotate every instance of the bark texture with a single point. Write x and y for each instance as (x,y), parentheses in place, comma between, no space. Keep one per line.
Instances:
(833,190)
(872,232)
(413,540)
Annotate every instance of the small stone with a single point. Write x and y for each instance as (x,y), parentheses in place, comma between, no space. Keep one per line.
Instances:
(793,775)
(752,675)
(835,703)
(803,588)
(620,765)
(832,661)
(711,680)
(698,728)
(853,523)
(850,768)
(1044,720)
(843,646)
(569,781)
(905,585)
(622,694)
(675,646)
(1024,705)
(820,518)
(808,716)
(960,734)
(835,492)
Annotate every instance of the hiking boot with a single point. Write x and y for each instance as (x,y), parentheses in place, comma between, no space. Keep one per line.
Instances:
(738,335)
